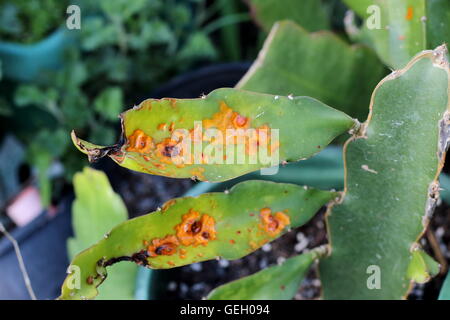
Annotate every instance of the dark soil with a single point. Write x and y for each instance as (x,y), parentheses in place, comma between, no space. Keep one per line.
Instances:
(144,193)
(440,227)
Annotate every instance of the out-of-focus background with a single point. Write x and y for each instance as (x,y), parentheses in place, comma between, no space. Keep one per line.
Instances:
(55,77)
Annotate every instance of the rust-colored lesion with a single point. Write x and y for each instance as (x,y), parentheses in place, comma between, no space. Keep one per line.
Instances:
(174,149)
(273,224)
(196,229)
(239,121)
(140,142)
(168,204)
(226,118)
(166,246)
(409,13)
(259,138)
(183,254)
(198,172)
(162,127)
(172,102)
(169,151)
(145,105)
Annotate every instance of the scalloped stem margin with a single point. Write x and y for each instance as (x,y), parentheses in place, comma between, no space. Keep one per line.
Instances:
(332,278)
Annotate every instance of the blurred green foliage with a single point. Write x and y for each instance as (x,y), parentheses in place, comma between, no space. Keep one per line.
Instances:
(5,108)
(28,21)
(124,50)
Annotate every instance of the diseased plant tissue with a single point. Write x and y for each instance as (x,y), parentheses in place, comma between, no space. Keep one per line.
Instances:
(395,124)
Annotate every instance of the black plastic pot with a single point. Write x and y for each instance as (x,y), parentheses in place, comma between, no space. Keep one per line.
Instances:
(203,81)
(43,246)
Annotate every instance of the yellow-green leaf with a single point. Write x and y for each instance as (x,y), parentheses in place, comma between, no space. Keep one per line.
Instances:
(184,138)
(275,283)
(192,229)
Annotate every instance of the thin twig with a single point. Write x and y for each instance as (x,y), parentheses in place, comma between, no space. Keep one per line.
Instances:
(437,251)
(20,259)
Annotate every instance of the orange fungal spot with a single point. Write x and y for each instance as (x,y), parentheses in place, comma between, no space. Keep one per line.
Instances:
(162,126)
(168,204)
(239,121)
(140,142)
(409,13)
(226,118)
(169,150)
(166,246)
(198,172)
(183,254)
(173,102)
(273,224)
(196,229)
(160,166)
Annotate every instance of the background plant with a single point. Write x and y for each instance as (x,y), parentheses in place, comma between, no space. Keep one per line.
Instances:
(96,209)
(29,21)
(122,53)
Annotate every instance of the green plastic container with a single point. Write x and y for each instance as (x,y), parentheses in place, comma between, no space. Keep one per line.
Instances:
(25,62)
